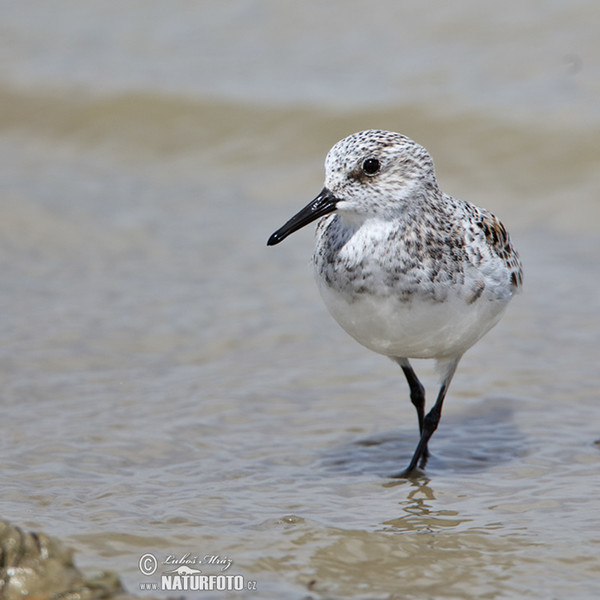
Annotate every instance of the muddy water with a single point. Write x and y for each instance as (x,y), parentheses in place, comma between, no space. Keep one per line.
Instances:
(170,385)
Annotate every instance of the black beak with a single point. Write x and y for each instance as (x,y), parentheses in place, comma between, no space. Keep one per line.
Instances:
(322,205)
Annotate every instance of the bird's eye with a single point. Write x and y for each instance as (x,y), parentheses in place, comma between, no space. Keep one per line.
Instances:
(371,166)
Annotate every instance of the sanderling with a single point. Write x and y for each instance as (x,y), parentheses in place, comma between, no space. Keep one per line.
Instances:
(405,269)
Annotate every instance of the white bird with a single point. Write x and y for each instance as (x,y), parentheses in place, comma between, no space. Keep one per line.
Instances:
(406,270)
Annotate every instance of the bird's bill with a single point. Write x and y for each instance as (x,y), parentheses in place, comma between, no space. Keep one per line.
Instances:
(322,205)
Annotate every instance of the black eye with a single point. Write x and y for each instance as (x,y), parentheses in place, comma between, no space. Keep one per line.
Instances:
(370,166)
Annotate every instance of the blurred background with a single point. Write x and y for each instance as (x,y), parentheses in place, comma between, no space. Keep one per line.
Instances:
(169,384)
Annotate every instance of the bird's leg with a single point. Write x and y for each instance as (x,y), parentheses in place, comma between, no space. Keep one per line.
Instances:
(431,419)
(417,392)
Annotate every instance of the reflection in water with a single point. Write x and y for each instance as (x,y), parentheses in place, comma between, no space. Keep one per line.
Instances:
(425,550)
(419,512)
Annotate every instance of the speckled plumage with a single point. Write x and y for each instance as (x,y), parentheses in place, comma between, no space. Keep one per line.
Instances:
(408,271)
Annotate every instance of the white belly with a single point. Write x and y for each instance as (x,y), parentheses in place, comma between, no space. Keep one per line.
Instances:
(416,328)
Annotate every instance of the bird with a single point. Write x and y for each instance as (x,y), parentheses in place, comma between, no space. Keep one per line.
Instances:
(407,270)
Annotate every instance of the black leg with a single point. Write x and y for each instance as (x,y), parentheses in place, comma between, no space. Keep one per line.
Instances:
(417,396)
(431,420)
(430,424)
(417,392)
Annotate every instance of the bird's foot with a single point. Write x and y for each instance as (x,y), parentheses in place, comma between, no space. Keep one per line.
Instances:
(409,473)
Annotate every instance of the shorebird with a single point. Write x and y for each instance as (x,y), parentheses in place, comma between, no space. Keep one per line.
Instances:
(407,270)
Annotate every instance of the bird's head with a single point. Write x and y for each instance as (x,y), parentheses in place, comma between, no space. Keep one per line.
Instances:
(369,173)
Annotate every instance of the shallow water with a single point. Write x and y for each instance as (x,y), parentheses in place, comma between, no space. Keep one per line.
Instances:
(172,385)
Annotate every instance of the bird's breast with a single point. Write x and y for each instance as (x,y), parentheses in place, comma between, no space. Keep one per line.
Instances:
(385,259)
(400,293)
